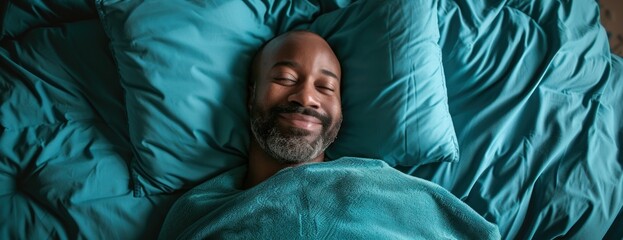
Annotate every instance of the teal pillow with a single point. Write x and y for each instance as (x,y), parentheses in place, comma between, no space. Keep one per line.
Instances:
(183,65)
(394,97)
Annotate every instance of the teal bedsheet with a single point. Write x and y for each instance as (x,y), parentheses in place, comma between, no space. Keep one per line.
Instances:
(535,96)
(534,93)
(63,141)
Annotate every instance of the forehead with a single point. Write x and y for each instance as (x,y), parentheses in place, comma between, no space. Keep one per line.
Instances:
(303,47)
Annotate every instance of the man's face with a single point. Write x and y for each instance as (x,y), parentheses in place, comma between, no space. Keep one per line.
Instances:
(296,106)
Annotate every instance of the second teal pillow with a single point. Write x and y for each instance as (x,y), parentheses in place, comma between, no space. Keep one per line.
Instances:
(394,96)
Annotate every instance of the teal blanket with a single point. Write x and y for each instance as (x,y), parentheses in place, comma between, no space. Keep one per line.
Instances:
(350,198)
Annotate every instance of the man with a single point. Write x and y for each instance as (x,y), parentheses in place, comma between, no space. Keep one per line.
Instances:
(294,102)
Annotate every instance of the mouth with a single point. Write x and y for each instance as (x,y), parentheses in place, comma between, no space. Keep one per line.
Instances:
(302,121)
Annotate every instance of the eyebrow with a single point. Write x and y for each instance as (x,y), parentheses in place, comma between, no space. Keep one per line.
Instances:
(329,73)
(286,64)
(296,65)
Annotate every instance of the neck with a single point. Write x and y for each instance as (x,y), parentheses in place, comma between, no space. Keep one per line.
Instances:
(262,166)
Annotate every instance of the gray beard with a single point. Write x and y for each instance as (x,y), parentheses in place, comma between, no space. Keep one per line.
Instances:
(293,149)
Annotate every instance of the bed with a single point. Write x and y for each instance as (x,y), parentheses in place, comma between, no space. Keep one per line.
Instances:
(111,110)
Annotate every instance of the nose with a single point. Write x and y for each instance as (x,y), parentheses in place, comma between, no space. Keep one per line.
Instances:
(305,95)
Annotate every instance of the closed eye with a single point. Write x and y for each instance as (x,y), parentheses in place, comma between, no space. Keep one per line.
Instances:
(286,81)
(284,78)
(326,88)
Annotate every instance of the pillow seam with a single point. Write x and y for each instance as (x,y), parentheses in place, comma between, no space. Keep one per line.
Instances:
(135,186)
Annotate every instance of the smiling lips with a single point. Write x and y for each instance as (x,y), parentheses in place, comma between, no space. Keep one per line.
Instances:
(303,121)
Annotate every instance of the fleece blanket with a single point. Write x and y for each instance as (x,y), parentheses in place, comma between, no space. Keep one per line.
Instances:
(350,198)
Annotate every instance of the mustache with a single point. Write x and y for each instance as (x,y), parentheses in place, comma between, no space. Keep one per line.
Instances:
(295,108)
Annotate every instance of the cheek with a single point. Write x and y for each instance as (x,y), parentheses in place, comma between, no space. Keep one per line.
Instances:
(274,93)
(265,96)
(335,110)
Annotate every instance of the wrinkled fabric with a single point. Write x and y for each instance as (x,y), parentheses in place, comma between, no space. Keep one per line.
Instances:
(533,91)
(64,147)
(535,96)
